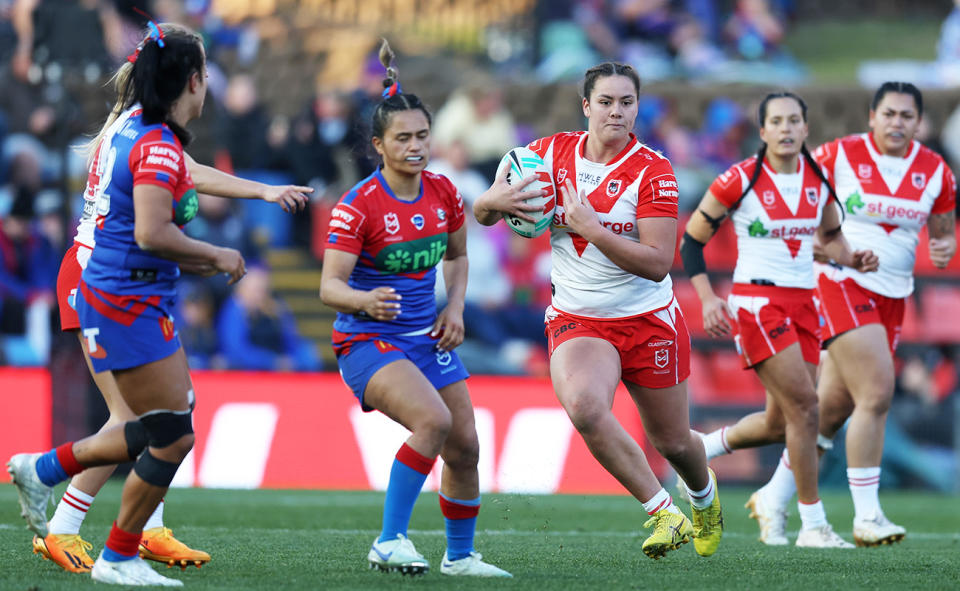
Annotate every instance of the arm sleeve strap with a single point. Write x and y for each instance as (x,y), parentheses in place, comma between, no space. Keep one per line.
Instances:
(691,253)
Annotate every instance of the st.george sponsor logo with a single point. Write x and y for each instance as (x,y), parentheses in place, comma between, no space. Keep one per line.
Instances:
(792,231)
(896,212)
(560,220)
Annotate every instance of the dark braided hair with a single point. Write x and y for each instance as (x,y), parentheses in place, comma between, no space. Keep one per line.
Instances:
(900,88)
(608,69)
(762,152)
(396,102)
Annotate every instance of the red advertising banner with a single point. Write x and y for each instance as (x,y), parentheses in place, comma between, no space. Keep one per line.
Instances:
(307,431)
(26,418)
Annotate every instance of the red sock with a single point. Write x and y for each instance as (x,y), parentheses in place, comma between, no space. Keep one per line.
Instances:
(123,542)
(67,460)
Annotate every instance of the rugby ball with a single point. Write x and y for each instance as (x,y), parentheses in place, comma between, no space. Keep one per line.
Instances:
(522,163)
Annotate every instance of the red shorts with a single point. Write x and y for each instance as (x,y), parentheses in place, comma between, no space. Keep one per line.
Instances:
(845,305)
(769,319)
(71,268)
(654,347)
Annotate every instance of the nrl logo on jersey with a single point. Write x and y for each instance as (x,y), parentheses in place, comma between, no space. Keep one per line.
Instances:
(769,198)
(391,223)
(919,180)
(864,171)
(561,175)
(813,196)
(613,187)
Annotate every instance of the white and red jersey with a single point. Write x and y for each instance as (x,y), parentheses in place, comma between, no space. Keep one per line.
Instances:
(99,167)
(637,183)
(775,222)
(887,200)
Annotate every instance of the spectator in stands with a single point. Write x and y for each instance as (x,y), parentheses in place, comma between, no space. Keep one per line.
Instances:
(475,115)
(242,126)
(28,271)
(753,30)
(257,331)
(196,325)
(723,134)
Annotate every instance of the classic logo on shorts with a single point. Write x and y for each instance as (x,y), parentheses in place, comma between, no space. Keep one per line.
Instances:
(166,327)
(919,180)
(417,221)
(392,223)
(661,357)
(613,187)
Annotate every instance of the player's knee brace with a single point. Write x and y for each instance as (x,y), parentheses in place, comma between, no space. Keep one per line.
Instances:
(136,435)
(164,427)
(154,470)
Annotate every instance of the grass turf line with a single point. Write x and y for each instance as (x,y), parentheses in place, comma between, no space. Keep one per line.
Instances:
(278,540)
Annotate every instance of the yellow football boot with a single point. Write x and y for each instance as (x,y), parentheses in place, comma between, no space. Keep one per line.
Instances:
(68,551)
(159,544)
(670,530)
(708,523)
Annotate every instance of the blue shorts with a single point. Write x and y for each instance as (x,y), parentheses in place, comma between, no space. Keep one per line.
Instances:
(124,331)
(360,355)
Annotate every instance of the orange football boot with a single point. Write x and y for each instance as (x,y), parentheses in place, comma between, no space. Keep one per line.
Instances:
(159,544)
(68,551)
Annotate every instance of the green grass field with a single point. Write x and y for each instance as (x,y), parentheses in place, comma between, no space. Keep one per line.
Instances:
(267,539)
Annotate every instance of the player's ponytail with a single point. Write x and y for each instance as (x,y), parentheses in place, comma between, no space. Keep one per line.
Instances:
(394,99)
(119,79)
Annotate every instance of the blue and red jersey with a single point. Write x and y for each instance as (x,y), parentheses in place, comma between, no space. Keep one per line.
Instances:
(133,153)
(399,244)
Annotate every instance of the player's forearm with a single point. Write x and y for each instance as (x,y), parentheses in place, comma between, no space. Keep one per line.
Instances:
(337,294)
(165,240)
(482,211)
(836,247)
(455,278)
(645,261)
(208,179)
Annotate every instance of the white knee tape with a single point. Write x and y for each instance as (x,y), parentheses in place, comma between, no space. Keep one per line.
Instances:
(824,442)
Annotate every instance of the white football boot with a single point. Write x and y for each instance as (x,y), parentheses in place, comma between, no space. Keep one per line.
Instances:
(34,495)
(134,572)
(773,522)
(471,566)
(877,531)
(821,537)
(397,555)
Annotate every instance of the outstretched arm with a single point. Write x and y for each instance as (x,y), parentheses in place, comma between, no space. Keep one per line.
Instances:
(208,179)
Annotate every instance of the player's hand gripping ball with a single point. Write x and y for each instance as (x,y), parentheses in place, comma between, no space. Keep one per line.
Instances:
(522,163)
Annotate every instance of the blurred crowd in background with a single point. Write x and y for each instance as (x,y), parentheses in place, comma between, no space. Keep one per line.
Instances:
(57,55)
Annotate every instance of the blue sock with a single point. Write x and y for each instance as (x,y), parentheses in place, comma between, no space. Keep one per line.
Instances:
(49,469)
(409,472)
(460,517)
(111,556)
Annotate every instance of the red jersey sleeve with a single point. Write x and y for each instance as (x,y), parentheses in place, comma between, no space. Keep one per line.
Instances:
(156,161)
(826,156)
(347,225)
(728,187)
(658,193)
(947,200)
(454,204)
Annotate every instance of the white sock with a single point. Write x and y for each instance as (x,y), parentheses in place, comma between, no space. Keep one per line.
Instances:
(864,487)
(715,444)
(70,512)
(782,486)
(659,502)
(701,499)
(812,515)
(156,520)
